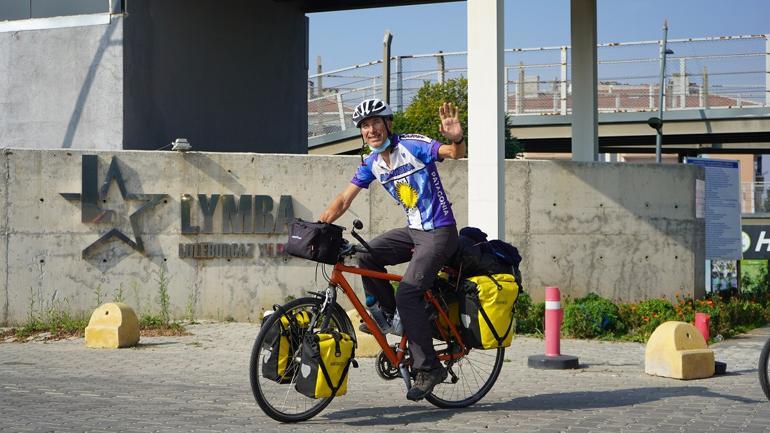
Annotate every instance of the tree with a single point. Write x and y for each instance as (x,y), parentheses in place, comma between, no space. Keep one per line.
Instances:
(513,146)
(421,117)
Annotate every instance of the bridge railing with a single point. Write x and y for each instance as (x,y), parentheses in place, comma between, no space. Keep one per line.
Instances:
(710,72)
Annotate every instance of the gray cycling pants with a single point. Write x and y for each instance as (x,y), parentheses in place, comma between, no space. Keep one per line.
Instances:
(426,252)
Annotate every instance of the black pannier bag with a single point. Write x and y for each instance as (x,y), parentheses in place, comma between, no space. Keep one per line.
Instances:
(283,339)
(319,242)
(477,256)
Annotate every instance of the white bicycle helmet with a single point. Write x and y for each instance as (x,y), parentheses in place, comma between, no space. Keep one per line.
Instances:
(371,108)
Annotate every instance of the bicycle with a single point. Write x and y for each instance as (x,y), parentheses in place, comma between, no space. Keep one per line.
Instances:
(764,378)
(472,373)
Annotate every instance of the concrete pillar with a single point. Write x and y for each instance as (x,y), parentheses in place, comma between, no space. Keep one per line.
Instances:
(555,93)
(507,72)
(585,116)
(767,70)
(116,7)
(651,95)
(486,154)
(341,111)
(520,90)
(320,81)
(563,107)
(706,87)
(682,83)
(399,85)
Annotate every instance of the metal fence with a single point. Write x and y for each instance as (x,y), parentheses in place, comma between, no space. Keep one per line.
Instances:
(710,72)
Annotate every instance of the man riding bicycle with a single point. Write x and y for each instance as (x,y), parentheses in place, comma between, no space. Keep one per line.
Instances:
(405,166)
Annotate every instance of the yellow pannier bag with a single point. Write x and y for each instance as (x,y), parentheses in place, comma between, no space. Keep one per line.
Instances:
(326,358)
(486,312)
(283,340)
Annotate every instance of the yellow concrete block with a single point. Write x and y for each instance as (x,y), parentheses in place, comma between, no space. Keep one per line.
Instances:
(678,350)
(367,345)
(112,326)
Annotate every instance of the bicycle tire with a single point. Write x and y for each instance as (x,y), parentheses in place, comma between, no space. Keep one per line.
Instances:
(278,400)
(764,358)
(479,365)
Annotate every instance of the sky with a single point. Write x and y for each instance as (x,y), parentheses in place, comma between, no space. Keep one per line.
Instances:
(352,37)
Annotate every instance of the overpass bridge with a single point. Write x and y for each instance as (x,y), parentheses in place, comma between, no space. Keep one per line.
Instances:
(686,133)
(716,96)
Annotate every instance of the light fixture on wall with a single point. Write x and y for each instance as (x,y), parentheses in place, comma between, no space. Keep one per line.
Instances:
(181,145)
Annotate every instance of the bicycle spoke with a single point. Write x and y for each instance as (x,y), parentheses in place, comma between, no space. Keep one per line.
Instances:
(476,372)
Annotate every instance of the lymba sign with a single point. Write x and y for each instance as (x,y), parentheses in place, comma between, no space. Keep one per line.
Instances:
(249,214)
(244,214)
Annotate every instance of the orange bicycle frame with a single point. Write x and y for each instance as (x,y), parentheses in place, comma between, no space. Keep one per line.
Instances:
(394,356)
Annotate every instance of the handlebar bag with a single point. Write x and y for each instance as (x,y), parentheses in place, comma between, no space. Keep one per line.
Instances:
(283,338)
(486,312)
(326,358)
(319,242)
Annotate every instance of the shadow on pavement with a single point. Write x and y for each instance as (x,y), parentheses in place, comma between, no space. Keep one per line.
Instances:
(150,345)
(400,415)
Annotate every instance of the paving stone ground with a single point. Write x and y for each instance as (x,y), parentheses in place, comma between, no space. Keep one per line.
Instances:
(200,383)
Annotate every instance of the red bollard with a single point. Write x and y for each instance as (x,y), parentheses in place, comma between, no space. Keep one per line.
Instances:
(553,359)
(553,319)
(702,323)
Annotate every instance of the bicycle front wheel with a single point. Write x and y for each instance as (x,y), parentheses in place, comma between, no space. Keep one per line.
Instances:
(278,397)
(474,375)
(764,359)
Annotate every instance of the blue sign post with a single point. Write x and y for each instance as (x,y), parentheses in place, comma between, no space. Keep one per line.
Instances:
(722,211)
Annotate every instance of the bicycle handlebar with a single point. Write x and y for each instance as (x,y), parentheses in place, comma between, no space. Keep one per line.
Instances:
(352,249)
(363,242)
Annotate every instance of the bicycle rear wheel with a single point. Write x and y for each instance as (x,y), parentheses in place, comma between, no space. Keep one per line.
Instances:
(764,359)
(476,372)
(281,401)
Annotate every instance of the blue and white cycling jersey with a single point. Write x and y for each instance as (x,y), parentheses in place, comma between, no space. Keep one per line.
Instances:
(413,180)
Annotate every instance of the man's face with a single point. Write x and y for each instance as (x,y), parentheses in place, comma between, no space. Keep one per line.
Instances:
(374,132)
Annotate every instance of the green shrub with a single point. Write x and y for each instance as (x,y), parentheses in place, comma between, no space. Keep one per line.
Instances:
(591,317)
(150,321)
(421,116)
(641,319)
(733,316)
(528,316)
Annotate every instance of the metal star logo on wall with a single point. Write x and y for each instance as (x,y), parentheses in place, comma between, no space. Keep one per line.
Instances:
(91,212)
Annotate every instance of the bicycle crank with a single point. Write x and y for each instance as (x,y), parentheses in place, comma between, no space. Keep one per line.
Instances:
(385,369)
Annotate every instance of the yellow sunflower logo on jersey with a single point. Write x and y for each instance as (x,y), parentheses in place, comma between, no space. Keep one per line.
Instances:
(407,195)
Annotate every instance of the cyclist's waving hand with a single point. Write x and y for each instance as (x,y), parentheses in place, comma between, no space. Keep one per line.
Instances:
(452,130)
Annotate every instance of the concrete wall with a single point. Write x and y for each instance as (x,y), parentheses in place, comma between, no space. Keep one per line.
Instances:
(622,230)
(228,75)
(61,88)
